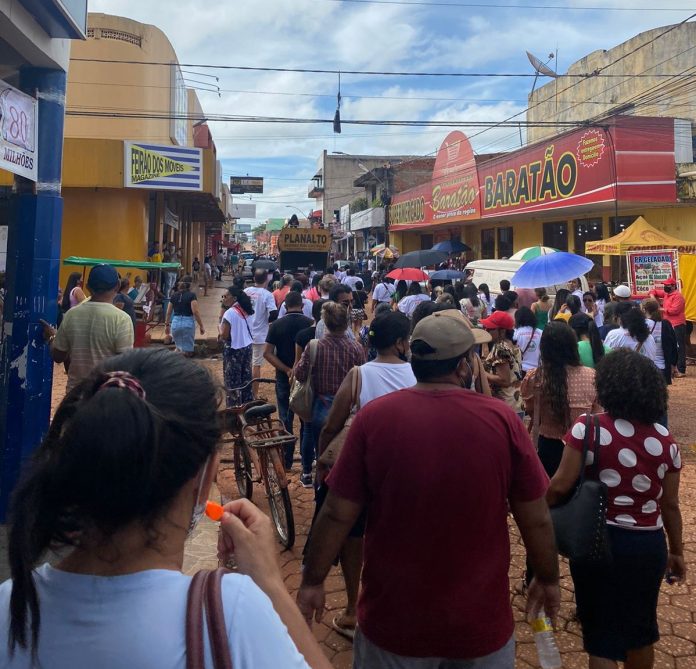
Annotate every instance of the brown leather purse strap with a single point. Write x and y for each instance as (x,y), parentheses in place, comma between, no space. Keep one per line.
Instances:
(195,658)
(215,615)
(206,588)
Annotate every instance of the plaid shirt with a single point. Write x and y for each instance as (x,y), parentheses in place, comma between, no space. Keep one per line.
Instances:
(336,356)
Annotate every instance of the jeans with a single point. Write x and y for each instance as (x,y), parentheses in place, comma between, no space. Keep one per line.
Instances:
(320,410)
(286,416)
(680,333)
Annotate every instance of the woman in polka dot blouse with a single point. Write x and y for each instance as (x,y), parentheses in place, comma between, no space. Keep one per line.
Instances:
(639,462)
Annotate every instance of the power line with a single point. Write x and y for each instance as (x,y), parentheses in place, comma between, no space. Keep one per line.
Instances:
(480,5)
(303,70)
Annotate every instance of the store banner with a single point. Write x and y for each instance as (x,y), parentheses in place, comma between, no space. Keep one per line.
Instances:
(161,167)
(632,160)
(451,196)
(19,127)
(687,271)
(647,270)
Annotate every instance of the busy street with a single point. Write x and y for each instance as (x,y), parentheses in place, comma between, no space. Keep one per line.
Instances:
(347,334)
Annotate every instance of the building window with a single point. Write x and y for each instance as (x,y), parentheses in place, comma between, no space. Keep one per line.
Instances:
(586,230)
(504,242)
(426,242)
(556,235)
(488,244)
(620,223)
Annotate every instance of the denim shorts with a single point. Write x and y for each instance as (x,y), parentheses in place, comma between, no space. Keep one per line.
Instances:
(184,332)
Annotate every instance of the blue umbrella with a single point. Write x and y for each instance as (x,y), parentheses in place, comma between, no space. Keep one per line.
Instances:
(451,246)
(550,269)
(447,275)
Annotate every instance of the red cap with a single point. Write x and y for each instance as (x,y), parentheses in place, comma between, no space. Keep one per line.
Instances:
(498,319)
(669,282)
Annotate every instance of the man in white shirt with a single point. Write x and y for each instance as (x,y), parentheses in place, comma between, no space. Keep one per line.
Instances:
(382,292)
(350,279)
(265,311)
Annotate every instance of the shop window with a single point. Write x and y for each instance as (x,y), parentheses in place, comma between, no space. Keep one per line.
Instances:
(487,244)
(586,230)
(619,270)
(556,235)
(504,242)
(618,224)
(426,242)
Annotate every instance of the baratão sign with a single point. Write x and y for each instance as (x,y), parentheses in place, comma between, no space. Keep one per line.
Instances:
(162,167)
(304,240)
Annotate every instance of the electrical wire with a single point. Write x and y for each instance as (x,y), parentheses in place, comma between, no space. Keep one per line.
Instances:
(485,5)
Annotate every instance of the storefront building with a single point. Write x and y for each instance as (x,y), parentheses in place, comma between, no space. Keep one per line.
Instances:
(131,176)
(584,185)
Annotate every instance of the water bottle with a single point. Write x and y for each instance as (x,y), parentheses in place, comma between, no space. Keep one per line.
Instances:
(549,657)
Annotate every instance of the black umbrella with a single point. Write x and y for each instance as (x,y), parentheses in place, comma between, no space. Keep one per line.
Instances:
(452,246)
(263,263)
(421,258)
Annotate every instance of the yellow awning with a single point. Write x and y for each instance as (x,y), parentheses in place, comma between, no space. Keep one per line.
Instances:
(639,236)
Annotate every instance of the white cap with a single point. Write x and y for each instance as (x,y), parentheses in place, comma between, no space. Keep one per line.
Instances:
(622,291)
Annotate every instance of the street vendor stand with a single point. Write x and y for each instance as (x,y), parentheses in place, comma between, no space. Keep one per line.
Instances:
(146,319)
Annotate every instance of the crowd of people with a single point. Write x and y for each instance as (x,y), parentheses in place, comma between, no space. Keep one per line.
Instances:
(436,413)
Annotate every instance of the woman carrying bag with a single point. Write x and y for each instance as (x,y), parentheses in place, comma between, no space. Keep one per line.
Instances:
(639,463)
(390,371)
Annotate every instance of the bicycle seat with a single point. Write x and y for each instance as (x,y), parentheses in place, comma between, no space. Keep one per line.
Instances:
(259,413)
(243,408)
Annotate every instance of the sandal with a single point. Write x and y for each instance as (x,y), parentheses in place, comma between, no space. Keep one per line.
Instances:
(347,631)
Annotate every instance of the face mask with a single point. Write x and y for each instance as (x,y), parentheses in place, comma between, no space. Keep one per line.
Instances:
(404,357)
(199,506)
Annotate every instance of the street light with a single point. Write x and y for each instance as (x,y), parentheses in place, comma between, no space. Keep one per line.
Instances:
(289,206)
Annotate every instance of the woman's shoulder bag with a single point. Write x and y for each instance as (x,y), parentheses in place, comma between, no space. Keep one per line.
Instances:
(332,451)
(205,593)
(580,524)
(302,394)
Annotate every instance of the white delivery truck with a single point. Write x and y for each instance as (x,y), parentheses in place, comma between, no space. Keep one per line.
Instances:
(492,272)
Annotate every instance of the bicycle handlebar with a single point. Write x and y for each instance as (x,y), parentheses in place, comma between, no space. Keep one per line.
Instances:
(231,390)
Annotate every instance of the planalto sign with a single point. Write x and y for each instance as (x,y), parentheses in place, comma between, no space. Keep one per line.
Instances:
(304,240)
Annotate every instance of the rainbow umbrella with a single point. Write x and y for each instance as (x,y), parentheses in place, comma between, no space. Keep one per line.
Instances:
(382,251)
(533,252)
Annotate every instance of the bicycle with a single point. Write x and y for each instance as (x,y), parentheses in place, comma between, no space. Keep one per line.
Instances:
(258,445)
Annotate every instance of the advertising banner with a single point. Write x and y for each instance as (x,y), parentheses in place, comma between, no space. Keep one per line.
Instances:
(648,269)
(239,185)
(161,167)
(631,161)
(19,125)
(452,195)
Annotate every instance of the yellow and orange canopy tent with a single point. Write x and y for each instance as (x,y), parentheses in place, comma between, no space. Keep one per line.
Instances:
(639,236)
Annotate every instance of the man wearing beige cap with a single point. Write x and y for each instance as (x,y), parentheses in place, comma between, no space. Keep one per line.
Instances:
(436,467)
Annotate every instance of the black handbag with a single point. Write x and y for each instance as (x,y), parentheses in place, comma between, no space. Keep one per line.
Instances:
(580,524)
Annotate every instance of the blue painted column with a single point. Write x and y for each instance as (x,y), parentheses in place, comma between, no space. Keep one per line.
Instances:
(33,260)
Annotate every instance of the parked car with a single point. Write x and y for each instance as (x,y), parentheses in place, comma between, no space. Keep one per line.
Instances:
(247,271)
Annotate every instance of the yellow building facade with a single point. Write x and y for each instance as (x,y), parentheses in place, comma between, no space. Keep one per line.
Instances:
(112,99)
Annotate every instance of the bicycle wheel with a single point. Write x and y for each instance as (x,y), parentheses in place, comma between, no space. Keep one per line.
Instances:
(242,471)
(278,497)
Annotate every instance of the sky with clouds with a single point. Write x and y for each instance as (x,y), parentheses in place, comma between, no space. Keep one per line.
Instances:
(484,36)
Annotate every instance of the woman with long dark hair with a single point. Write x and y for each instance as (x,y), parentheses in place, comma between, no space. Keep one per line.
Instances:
(400,292)
(639,462)
(182,316)
(527,337)
(484,294)
(73,293)
(118,484)
(471,305)
(633,332)
(570,307)
(558,302)
(235,333)
(665,339)
(413,298)
(557,392)
(590,345)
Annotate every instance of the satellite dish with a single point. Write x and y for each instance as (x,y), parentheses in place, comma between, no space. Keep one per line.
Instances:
(541,68)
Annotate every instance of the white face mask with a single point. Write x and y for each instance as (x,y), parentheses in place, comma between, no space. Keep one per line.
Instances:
(199,506)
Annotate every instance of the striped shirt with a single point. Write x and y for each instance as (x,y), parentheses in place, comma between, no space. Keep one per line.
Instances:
(336,356)
(90,333)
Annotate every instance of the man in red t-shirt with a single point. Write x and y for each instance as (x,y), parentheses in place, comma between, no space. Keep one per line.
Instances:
(674,310)
(436,466)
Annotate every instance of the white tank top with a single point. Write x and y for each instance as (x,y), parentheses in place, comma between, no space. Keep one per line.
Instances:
(380,378)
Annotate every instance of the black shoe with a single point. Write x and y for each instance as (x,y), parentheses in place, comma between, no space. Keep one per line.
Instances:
(306,480)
